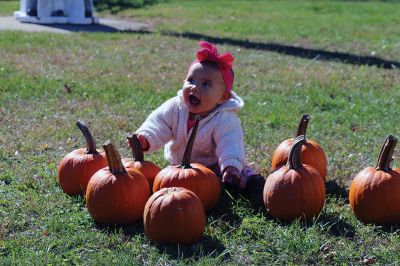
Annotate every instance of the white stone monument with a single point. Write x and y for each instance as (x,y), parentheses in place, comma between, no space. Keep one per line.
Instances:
(57,11)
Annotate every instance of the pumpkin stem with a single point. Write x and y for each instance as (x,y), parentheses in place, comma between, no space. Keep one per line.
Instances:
(294,161)
(90,143)
(113,158)
(137,151)
(302,129)
(386,154)
(188,151)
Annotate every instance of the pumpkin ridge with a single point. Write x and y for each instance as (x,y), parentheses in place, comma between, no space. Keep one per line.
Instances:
(150,207)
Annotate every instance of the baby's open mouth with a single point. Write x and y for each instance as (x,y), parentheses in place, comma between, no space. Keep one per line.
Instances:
(193,100)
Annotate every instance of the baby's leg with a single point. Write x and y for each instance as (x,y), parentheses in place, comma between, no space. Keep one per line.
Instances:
(215,168)
(254,185)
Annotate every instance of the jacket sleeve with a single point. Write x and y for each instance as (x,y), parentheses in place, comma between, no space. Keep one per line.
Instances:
(157,128)
(228,138)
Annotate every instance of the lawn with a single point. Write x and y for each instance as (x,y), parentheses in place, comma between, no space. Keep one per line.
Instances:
(322,58)
(8,7)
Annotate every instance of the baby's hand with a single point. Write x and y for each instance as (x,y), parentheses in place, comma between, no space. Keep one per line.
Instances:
(143,142)
(232,175)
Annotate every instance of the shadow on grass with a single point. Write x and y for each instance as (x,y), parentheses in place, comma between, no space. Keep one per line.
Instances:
(336,226)
(384,228)
(224,209)
(83,28)
(103,28)
(129,230)
(331,223)
(314,54)
(389,228)
(206,247)
(333,189)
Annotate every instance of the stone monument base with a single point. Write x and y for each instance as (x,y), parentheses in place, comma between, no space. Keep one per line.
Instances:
(23,17)
(57,12)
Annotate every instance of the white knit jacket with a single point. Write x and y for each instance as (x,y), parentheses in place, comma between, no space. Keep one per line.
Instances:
(219,136)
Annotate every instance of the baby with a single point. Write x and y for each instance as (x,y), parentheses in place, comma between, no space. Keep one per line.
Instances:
(207,91)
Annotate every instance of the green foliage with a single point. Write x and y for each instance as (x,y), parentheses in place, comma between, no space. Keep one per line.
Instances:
(115,6)
(8,7)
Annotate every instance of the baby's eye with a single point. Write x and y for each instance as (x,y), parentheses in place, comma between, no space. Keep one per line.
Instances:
(206,84)
(190,80)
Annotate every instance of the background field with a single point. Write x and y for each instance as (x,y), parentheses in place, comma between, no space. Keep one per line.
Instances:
(337,61)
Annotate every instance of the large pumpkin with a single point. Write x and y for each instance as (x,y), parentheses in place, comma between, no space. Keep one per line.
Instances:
(148,169)
(76,168)
(295,190)
(116,195)
(174,215)
(311,152)
(375,191)
(195,177)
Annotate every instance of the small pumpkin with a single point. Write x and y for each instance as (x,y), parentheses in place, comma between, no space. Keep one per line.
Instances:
(148,169)
(76,168)
(195,177)
(174,215)
(116,195)
(375,191)
(295,190)
(311,152)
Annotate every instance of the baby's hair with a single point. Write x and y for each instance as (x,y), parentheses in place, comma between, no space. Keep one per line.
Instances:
(214,65)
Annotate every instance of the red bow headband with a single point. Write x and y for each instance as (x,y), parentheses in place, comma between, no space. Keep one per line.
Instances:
(210,53)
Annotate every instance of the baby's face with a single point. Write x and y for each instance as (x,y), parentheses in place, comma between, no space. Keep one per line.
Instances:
(203,89)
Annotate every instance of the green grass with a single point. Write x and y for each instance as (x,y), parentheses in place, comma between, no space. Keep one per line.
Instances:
(8,7)
(117,79)
(364,27)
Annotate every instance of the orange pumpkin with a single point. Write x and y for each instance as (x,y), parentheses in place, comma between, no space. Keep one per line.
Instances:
(116,195)
(295,190)
(375,191)
(148,169)
(195,177)
(174,215)
(76,168)
(311,152)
